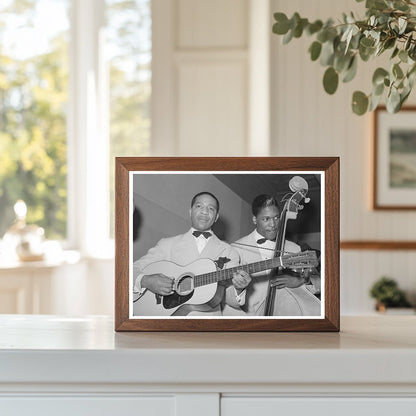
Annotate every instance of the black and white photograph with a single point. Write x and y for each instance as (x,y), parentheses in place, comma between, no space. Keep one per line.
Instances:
(226,245)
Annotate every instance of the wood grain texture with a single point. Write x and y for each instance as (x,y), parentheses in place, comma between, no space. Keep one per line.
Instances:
(329,165)
(378,245)
(121,243)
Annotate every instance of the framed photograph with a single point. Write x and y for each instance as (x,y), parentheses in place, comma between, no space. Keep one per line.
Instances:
(227,244)
(394,180)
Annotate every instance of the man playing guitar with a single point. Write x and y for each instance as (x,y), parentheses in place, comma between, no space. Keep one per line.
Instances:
(197,243)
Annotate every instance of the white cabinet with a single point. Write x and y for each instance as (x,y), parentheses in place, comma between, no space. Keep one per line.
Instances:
(311,406)
(79,366)
(88,406)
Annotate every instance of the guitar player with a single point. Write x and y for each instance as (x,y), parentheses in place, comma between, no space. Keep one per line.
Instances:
(294,295)
(199,242)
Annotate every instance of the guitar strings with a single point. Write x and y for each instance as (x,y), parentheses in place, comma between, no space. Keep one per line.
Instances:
(261,248)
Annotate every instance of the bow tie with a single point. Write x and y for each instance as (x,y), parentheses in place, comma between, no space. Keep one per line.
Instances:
(261,240)
(206,234)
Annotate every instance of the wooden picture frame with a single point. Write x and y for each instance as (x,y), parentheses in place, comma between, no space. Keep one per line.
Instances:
(394,159)
(163,188)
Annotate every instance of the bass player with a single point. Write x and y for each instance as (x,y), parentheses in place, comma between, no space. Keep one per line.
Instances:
(295,294)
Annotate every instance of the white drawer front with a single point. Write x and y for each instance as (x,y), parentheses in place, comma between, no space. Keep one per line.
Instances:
(273,406)
(87,406)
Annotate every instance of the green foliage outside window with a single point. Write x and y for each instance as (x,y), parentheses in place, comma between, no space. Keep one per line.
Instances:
(33,99)
(34,102)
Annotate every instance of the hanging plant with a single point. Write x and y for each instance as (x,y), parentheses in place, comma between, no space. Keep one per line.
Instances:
(389,27)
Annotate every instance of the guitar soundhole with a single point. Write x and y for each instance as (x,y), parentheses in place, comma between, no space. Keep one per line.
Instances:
(185,285)
(184,292)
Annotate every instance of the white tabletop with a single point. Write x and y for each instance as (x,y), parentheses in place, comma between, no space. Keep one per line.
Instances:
(373,349)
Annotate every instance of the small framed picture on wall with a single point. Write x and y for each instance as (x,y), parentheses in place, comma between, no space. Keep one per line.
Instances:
(394,149)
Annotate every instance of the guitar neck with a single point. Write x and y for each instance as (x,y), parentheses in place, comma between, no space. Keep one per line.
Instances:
(220,275)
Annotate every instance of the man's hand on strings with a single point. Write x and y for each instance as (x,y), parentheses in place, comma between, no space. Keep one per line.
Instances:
(283,280)
(241,279)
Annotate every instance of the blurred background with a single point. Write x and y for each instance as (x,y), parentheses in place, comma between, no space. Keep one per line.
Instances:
(84,81)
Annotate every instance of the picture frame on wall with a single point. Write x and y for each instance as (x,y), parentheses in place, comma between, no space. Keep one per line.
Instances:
(394,152)
(227,244)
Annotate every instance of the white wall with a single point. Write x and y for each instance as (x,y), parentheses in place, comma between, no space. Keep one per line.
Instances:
(307,121)
(200,77)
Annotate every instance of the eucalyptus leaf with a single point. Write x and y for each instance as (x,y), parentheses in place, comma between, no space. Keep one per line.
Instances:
(395,52)
(340,61)
(408,42)
(403,56)
(378,89)
(411,78)
(355,41)
(350,73)
(376,36)
(389,43)
(412,70)
(359,103)
(314,27)
(346,34)
(404,96)
(379,75)
(327,53)
(402,22)
(281,26)
(352,31)
(393,101)
(374,102)
(394,26)
(298,30)
(350,18)
(288,37)
(376,4)
(397,71)
(367,42)
(412,52)
(366,53)
(400,5)
(330,80)
(294,21)
(315,50)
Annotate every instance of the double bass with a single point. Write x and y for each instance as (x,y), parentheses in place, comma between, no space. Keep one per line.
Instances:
(290,301)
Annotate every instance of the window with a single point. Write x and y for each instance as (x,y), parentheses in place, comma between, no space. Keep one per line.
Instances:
(75,87)
(33,97)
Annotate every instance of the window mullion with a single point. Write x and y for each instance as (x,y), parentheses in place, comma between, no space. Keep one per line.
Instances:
(88,136)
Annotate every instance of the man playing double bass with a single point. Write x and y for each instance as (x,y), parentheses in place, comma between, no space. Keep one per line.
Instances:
(294,293)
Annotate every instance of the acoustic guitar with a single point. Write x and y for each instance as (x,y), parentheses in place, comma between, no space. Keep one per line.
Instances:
(196,285)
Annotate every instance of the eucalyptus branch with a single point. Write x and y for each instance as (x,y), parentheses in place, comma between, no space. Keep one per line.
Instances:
(389,25)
